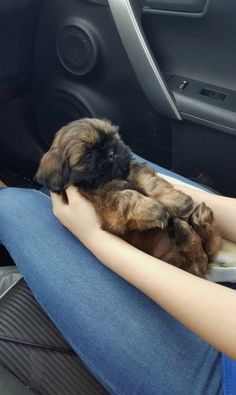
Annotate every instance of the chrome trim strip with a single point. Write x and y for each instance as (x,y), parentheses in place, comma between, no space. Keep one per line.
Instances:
(140,55)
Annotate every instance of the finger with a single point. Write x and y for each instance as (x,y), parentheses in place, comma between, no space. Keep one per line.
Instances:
(57,200)
(73,194)
(56,197)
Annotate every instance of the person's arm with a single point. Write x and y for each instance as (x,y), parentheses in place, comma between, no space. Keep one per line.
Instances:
(224,208)
(207,309)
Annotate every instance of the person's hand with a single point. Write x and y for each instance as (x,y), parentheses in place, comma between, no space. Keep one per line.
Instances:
(78,215)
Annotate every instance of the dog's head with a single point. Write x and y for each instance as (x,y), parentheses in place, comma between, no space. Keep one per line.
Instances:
(86,153)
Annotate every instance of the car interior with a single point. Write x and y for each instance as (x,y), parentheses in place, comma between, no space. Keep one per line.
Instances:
(163,70)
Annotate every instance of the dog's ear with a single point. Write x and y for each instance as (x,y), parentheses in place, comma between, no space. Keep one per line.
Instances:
(77,177)
(53,172)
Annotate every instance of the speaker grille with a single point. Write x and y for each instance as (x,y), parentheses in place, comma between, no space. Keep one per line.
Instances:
(76,50)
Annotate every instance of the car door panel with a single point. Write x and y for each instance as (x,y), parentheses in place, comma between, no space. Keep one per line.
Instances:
(17,24)
(110,89)
(198,49)
(18,149)
(189,41)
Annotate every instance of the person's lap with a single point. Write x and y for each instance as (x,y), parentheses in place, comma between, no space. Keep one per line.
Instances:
(130,344)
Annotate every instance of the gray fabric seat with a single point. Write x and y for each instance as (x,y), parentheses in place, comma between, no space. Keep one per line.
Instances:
(10,385)
(32,351)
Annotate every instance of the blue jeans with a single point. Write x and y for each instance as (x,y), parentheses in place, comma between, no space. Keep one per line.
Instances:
(127,341)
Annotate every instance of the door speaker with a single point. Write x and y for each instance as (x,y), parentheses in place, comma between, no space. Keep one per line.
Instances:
(77,49)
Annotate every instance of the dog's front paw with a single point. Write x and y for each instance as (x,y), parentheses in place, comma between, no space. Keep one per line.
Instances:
(203,222)
(148,213)
(178,203)
(127,210)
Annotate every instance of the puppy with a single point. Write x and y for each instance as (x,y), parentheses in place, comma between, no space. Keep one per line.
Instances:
(130,198)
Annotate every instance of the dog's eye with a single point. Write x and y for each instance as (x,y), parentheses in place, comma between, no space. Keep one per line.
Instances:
(87,155)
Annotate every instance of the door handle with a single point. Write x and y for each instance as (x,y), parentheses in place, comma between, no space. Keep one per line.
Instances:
(193,6)
(127,17)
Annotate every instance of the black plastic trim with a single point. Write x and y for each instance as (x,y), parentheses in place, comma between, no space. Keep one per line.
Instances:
(217,114)
(126,15)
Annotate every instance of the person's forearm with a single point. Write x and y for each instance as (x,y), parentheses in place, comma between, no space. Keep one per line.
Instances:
(224,208)
(207,309)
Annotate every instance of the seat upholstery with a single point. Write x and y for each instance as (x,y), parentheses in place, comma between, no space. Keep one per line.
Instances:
(10,385)
(35,352)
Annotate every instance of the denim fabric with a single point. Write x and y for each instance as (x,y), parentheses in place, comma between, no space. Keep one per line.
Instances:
(128,342)
(229,374)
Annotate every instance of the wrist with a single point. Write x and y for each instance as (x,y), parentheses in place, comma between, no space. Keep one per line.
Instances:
(91,237)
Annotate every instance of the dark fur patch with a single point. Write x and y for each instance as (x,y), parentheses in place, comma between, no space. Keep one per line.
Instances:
(105,161)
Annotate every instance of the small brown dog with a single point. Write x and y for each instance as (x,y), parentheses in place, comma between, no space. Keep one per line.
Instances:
(130,198)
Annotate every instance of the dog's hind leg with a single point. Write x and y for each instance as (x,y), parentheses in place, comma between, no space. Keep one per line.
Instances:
(187,253)
(203,222)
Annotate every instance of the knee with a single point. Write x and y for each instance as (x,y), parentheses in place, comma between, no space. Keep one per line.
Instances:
(8,197)
(11,203)
(15,201)
(21,208)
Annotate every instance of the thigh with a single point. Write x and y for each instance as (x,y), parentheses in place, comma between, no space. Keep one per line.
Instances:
(129,343)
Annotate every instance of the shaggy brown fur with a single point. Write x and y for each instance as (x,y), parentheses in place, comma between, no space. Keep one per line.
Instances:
(130,198)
